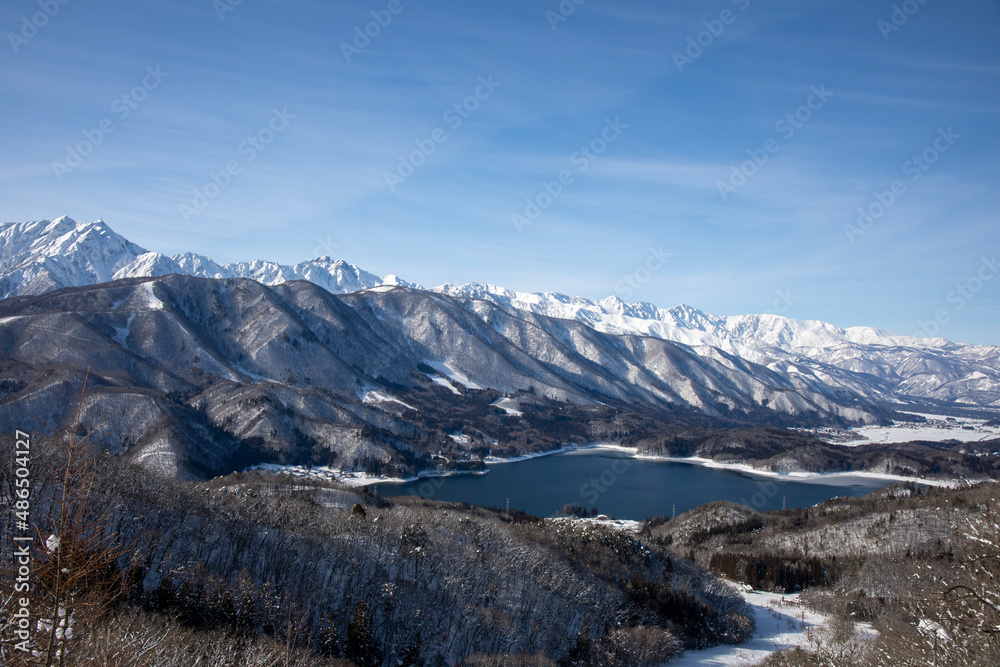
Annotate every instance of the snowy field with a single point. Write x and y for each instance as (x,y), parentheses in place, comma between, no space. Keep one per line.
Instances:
(333,474)
(937,428)
(782,623)
(625,525)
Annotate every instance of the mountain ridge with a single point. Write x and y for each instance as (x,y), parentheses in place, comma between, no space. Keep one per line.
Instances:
(201,376)
(40,256)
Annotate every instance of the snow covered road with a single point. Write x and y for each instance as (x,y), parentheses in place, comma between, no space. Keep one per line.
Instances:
(782,623)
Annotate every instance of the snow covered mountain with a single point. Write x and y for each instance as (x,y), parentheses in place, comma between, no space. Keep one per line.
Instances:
(36,257)
(39,256)
(188,372)
(871,362)
(744,334)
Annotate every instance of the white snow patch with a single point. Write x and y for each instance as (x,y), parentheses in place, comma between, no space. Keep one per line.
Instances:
(934,628)
(624,525)
(782,623)
(460,438)
(346,477)
(936,428)
(121,334)
(508,405)
(452,374)
(535,455)
(153,302)
(437,379)
(373,397)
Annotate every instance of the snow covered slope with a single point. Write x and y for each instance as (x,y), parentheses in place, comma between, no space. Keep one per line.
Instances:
(36,257)
(871,362)
(198,376)
(877,365)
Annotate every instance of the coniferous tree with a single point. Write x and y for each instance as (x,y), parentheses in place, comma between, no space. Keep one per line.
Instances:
(328,640)
(579,656)
(361,647)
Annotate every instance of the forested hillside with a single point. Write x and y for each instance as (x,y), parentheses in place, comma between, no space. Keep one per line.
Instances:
(170,570)
(920,565)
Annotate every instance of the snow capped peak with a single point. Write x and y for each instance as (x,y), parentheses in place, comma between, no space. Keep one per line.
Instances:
(147,264)
(478,291)
(43,255)
(691,316)
(199,265)
(641,310)
(395,281)
(58,226)
(329,263)
(48,254)
(612,303)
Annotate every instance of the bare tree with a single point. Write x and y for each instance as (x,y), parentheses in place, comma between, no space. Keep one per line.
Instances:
(77,571)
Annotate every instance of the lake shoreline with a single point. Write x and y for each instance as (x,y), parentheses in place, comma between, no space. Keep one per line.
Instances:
(806,477)
(361,479)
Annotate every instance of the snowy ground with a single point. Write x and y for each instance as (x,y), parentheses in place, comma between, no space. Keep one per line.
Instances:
(509,405)
(525,457)
(626,525)
(782,623)
(937,428)
(451,374)
(373,397)
(353,478)
(323,472)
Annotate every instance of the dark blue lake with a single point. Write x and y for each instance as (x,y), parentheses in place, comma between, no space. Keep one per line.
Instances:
(621,486)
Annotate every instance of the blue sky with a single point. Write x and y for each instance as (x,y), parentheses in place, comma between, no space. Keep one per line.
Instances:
(684,93)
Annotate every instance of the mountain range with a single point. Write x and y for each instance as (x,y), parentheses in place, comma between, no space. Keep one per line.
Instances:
(36,257)
(198,368)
